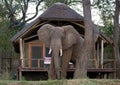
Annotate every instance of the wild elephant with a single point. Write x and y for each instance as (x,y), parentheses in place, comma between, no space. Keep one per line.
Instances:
(65,45)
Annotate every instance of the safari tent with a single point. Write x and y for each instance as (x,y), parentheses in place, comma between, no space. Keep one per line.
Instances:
(34,58)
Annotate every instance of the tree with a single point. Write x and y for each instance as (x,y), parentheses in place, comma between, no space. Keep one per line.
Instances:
(87,49)
(116,32)
(15,7)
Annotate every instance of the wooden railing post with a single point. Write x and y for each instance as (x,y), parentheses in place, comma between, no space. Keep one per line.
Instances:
(39,63)
(115,67)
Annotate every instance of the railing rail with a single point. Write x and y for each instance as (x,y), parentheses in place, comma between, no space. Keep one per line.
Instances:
(32,63)
(42,63)
(107,63)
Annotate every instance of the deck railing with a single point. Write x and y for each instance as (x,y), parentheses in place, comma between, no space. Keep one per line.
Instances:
(43,63)
(32,63)
(107,63)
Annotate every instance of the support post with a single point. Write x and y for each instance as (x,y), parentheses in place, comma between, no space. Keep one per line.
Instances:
(95,58)
(21,52)
(20,75)
(98,55)
(102,51)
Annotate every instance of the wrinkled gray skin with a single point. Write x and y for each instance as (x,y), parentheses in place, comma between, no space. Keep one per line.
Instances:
(65,44)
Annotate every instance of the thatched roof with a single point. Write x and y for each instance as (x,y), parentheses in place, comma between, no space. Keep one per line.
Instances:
(61,11)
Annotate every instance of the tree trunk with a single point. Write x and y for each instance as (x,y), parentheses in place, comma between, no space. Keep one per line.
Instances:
(116,33)
(87,49)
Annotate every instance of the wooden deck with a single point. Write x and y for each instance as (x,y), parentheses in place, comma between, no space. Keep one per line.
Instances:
(95,73)
(43,67)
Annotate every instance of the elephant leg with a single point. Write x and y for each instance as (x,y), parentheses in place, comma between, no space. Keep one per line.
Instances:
(65,61)
(52,70)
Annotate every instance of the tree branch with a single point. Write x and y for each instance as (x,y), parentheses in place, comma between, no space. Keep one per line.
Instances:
(36,11)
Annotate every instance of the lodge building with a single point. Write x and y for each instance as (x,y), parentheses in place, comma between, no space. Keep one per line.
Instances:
(34,57)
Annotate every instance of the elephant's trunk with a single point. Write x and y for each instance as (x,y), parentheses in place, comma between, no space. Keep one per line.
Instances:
(56,51)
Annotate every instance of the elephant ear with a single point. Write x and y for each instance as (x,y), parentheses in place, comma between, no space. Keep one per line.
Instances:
(71,36)
(44,34)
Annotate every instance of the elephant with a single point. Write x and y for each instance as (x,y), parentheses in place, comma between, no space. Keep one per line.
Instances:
(64,43)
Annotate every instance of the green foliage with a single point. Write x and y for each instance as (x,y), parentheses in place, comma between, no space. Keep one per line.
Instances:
(6,33)
(5,75)
(5,36)
(108,29)
(3,11)
(106,7)
(6,48)
(3,82)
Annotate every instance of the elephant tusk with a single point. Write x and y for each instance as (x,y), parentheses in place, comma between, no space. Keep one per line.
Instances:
(61,52)
(50,51)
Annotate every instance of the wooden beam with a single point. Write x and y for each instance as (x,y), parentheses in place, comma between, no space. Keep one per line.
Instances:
(29,55)
(95,57)
(20,75)
(80,25)
(41,24)
(102,51)
(23,48)
(30,37)
(21,52)
(98,55)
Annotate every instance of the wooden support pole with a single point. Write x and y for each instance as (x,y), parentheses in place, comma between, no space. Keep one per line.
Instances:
(115,67)
(102,51)
(30,37)
(80,25)
(21,52)
(95,58)
(20,75)
(98,56)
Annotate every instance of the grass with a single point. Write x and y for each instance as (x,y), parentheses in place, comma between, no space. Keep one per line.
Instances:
(64,82)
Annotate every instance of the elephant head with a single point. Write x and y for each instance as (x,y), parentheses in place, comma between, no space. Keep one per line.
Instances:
(58,39)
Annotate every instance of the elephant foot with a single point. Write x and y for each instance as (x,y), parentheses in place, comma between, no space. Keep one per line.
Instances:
(51,75)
